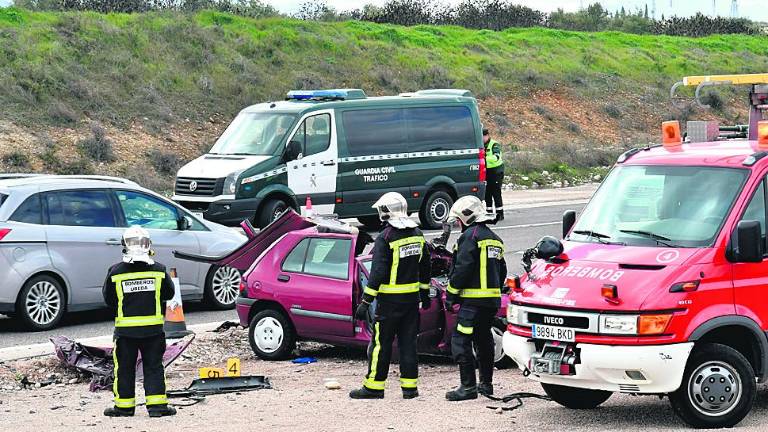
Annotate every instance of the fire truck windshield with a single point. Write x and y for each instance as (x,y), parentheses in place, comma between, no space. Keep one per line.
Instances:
(669,206)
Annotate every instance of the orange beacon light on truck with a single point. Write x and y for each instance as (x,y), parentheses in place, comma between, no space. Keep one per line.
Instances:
(762,134)
(670,133)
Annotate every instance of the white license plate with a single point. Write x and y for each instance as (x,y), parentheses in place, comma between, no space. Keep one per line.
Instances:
(553,333)
(198,215)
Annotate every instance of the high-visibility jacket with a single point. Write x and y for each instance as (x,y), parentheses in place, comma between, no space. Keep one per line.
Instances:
(401,266)
(493,157)
(136,292)
(479,270)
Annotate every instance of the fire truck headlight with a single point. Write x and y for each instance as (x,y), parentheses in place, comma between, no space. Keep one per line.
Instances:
(618,324)
(513,314)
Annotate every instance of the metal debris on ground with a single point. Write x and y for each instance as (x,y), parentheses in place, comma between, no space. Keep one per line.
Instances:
(97,361)
(202,387)
(226,325)
(517,398)
(304,360)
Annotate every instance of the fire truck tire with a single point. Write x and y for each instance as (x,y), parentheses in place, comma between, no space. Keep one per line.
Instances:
(718,388)
(271,335)
(576,398)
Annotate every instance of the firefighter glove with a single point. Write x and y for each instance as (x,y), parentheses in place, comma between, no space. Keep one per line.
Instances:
(426,302)
(361,312)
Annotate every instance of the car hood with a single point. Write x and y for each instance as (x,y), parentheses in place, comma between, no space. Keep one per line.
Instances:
(244,256)
(217,166)
(575,279)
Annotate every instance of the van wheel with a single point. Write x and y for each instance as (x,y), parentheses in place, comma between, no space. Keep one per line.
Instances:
(271,335)
(370,222)
(576,398)
(718,388)
(41,303)
(271,210)
(435,209)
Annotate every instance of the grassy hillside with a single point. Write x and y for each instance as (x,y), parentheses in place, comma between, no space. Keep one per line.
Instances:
(174,80)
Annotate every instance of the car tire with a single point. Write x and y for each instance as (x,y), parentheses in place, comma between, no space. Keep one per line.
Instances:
(372,223)
(732,379)
(435,209)
(222,286)
(41,303)
(271,335)
(576,398)
(500,360)
(270,211)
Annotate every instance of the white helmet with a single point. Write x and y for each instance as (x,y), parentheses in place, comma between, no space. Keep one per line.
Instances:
(469,209)
(393,209)
(136,245)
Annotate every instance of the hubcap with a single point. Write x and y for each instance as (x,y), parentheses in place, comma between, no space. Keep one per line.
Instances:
(439,209)
(268,334)
(714,388)
(226,285)
(43,303)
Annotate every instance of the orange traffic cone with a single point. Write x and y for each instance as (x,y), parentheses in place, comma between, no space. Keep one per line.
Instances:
(174,326)
(309,212)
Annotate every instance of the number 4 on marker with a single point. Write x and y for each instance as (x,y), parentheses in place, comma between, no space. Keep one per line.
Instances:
(233,367)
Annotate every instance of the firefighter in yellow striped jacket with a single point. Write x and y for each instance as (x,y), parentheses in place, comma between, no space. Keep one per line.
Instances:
(136,289)
(476,278)
(398,281)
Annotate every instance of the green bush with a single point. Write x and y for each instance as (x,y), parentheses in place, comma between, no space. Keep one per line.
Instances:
(16,161)
(97,147)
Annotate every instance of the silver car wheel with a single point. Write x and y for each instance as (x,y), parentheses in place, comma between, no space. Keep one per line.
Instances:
(225,285)
(268,334)
(43,303)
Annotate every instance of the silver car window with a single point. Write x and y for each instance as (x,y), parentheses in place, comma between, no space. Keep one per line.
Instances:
(91,208)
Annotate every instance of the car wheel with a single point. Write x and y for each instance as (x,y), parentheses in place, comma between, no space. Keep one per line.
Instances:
(500,360)
(222,286)
(41,303)
(435,209)
(271,335)
(718,388)
(270,211)
(372,223)
(576,398)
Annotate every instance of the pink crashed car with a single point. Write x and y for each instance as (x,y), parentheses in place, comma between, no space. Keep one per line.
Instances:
(303,278)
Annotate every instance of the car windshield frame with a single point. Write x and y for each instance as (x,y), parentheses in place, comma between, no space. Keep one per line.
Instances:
(274,125)
(677,197)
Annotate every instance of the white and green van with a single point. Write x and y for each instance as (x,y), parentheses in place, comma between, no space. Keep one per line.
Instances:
(343,150)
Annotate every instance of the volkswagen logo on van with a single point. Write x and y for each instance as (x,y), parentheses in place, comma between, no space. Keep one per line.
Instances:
(193,186)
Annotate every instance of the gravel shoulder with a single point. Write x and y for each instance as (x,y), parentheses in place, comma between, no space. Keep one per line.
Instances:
(300,401)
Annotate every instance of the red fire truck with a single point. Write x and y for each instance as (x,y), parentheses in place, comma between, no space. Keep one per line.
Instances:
(662,285)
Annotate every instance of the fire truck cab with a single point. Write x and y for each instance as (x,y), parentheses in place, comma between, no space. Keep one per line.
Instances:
(662,283)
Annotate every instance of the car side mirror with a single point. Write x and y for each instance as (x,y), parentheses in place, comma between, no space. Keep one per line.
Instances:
(749,242)
(292,151)
(184,223)
(569,219)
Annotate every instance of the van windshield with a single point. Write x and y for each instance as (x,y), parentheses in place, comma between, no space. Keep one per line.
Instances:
(253,133)
(669,206)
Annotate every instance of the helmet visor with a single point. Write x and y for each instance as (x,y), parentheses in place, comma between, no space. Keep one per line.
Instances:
(137,243)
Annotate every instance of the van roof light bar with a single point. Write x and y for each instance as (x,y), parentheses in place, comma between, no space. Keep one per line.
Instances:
(325,95)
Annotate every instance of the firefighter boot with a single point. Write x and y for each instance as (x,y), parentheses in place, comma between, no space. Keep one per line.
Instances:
(118,412)
(162,412)
(410,393)
(499,216)
(486,380)
(468,388)
(365,393)
(485,389)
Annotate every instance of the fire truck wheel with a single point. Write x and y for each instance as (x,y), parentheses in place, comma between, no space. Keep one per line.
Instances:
(271,335)
(576,398)
(718,388)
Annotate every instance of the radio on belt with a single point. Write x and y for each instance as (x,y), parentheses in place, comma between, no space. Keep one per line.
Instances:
(555,358)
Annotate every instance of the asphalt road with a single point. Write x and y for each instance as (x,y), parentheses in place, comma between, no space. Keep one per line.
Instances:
(519,231)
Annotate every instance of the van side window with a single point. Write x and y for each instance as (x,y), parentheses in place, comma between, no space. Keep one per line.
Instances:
(30,211)
(440,128)
(320,257)
(374,132)
(756,209)
(314,134)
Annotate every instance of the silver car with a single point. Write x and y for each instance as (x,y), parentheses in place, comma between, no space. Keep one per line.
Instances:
(60,234)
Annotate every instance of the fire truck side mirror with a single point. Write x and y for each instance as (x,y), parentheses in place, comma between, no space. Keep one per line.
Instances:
(749,242)
(569,219)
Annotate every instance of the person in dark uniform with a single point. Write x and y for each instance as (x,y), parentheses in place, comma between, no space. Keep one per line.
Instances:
(478,273)
(399,281)
(136,289)
(494,165)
